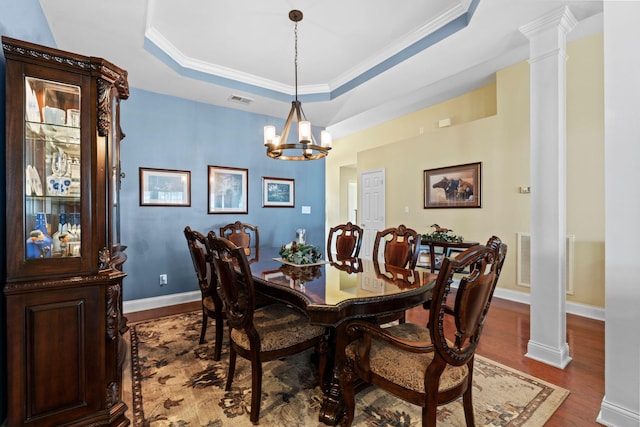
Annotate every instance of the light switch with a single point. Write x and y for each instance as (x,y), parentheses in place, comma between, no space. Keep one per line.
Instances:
(306,210)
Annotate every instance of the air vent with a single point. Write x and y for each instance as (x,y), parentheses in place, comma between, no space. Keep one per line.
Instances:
(240,99)
(523,260)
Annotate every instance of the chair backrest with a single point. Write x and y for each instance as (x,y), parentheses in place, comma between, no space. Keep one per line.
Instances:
(472,300)
(240,234)
(344,241)
(197,248)
(235,281)
(400,246)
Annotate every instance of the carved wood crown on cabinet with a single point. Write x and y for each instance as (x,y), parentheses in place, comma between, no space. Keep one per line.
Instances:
(65,346)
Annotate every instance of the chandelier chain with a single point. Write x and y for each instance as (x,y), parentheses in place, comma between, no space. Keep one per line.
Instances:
(295,32)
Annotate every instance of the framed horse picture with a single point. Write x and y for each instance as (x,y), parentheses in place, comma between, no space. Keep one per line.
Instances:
(453,187)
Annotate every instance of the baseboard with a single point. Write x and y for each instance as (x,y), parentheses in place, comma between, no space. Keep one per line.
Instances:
(614,415)
(521,297)
(582,310)
(159,302)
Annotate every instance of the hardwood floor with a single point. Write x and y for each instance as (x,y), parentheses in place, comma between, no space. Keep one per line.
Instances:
(504,340)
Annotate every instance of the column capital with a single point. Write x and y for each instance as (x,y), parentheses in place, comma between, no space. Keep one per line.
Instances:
(561,19)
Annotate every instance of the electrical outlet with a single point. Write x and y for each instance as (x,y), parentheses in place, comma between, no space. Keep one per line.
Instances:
(163,279)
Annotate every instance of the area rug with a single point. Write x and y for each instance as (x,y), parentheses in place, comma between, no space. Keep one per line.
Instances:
(176,383)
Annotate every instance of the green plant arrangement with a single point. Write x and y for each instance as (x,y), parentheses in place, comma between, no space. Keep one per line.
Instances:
(300,253)
(442,235)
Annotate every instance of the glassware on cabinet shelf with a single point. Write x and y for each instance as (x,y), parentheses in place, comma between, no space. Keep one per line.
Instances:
(52,156)
(39,242)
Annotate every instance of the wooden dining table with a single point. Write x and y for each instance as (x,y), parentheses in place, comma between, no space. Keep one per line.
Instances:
(333,292)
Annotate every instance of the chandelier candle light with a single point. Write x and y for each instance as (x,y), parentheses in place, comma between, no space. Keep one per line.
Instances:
(306,148)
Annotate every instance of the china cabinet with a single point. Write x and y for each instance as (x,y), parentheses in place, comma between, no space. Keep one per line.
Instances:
(63,286)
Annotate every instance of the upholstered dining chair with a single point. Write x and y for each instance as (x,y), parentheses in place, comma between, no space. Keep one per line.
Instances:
(344,241)
(258,334)
(428,366)
(207,282)
(399,245)
(240,234)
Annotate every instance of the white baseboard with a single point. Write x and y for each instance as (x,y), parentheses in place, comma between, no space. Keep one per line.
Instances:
(161,301)
(583,310)
(614,415)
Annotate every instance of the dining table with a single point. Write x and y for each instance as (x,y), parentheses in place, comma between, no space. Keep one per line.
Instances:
(332,292)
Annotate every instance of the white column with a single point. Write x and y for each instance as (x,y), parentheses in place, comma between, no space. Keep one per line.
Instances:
(547,43)
(621,403)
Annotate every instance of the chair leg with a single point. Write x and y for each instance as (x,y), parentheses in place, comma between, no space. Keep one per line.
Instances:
(429,413)
(219,337)
(256,389)
(467,399)
(232,367)
(203,331)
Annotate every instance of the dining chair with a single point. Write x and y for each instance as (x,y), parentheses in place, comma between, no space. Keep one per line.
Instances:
(399,245)
(207,282)
(428,366)
(258,334)
(344,241)
(241,235)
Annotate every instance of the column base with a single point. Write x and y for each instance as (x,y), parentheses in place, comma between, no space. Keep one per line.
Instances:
(558,357)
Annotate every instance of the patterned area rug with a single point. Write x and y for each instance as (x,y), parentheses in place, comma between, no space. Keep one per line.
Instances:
(175,382)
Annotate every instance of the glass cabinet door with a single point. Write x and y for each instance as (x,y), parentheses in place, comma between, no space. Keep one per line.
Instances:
(52,159)
(113,146)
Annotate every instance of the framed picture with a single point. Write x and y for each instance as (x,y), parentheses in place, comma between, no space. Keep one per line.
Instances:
(165,187)
(278,192)
(227,190)
(453,187)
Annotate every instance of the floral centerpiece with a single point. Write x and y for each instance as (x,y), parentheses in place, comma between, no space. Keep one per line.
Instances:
(441,234)
(300,253)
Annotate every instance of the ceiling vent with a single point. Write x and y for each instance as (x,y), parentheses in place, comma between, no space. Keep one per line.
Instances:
(240,99)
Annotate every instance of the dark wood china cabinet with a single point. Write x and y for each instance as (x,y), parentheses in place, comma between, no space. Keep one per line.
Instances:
(65,349)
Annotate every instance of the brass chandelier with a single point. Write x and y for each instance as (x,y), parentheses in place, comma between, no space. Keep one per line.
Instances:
(306,148)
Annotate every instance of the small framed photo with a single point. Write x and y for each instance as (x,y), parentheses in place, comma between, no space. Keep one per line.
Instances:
(165,187)
(227,190)
(453,187)
(278,192)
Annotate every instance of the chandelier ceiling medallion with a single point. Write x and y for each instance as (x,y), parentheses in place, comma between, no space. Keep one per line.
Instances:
(306,148)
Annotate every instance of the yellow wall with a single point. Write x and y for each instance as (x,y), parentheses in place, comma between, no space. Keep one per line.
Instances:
(491,125)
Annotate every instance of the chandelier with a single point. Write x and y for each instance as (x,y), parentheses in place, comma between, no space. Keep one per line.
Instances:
(306,148)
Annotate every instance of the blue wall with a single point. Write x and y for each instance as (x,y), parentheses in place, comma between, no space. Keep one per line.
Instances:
(21,20)
(172,133)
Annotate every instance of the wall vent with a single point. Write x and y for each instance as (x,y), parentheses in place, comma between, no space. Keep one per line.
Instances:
(523,260)
(240,99)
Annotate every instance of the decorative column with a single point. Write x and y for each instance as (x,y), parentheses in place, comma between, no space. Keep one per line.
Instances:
(547,44)
(621,402)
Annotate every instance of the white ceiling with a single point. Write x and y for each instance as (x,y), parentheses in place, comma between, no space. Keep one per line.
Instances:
(360,62)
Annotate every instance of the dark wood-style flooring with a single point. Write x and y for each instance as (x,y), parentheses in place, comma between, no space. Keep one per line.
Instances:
(504,340)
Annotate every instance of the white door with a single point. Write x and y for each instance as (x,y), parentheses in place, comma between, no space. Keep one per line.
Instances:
(371,208)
